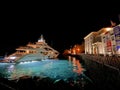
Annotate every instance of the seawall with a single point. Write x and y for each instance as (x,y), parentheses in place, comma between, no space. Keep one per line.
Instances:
(105,75)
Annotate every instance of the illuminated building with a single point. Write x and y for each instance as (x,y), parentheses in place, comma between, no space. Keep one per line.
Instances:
(116,31)
(106,41)
(88,43)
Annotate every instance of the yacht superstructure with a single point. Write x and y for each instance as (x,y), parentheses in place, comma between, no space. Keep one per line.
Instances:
(39,50)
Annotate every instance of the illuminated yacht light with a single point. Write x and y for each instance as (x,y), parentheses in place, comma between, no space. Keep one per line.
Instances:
(13,57)
(34,61)
(25,62)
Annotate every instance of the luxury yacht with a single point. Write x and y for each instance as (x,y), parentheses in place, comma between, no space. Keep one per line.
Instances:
(39,50)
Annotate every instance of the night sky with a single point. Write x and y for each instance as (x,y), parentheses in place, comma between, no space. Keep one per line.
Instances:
(61,26)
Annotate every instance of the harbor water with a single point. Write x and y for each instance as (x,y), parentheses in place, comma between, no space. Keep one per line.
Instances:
(68,70)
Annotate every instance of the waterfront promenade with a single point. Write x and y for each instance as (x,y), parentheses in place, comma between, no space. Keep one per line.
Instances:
(104,71)
(110,61)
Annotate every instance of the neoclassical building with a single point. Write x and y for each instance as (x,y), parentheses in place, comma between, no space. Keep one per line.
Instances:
(106,41)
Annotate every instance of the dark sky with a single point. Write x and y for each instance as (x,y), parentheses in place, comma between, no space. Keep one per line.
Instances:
(61,26)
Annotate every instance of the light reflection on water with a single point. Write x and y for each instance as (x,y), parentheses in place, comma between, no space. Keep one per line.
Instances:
(77,67)
(58,69)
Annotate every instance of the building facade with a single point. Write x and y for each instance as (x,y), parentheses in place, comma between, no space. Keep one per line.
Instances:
(106,41)
(116,31)
(89,39)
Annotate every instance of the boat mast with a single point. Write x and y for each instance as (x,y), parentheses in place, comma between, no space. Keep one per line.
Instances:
(41,39)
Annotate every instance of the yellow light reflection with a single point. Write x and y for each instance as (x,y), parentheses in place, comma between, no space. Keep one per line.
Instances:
(77,67)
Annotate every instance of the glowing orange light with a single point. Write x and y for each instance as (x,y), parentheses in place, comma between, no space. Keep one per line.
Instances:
(108,29)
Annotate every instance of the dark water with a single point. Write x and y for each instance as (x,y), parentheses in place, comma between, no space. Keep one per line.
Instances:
(73,71)
(103,76)
(59,69)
